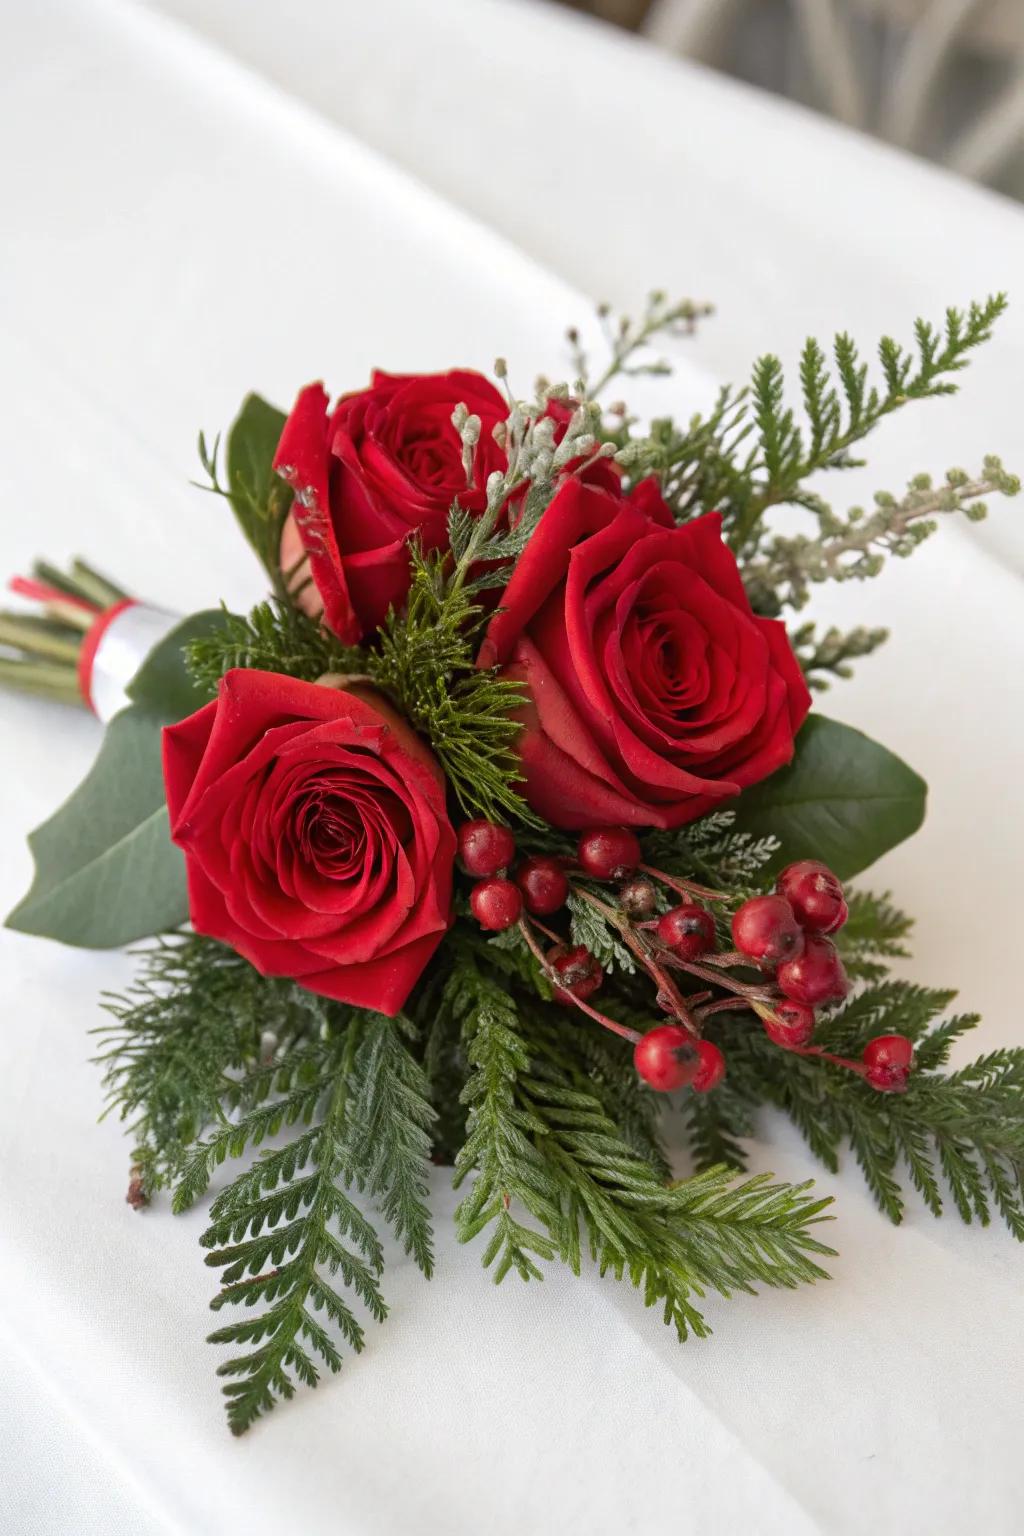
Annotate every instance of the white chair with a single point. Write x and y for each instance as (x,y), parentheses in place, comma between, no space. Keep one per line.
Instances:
(880,64)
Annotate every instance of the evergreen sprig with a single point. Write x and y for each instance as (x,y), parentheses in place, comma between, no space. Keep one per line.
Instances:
(273,637)
(757,447)
(353,1100)
(964,1129)
(541,1139)
(277,1233)
(713,851)
(390,1124)
(426,664)
(424,661)
(589,927)
(841,406)
(194,1019)
(499,1148)
(873,934)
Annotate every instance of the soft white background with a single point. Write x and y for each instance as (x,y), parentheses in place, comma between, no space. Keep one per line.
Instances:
(180,226)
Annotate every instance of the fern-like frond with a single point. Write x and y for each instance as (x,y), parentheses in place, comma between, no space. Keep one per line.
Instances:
(964,1131)
(589,927)
(388,1141)
(499,1149)
(273,637)
(271,1098)
(190,1024)
(542,1139)
(281,1233)
(873,934)
(427,664)
(715,1122)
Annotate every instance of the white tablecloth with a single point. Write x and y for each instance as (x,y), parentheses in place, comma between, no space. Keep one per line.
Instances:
(178,229)
(621,169)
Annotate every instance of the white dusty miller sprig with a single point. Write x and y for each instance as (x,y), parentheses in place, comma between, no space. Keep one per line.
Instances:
(854,547)
(627,339)
(534,462)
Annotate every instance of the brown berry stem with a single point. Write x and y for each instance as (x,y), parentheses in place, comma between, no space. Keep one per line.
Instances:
(647,957)
(549,933)
(765,1011)
(632,1035)
(684,887)
(723,1005)
(720,979)
(727,958)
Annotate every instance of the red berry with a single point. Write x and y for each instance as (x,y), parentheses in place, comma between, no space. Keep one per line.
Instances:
(609,853)
(814,977)
(638,897)
(815,895)
(496,904)
(543,884)
(765,929)
(484,847)
(667,1057)
(711,1069)
(578,972)
(688,931)
(791,1024)
(888,1059)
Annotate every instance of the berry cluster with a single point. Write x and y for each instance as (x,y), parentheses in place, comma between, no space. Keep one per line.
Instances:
(784,937)
(486,851)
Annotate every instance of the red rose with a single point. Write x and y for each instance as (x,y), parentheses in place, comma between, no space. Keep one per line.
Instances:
(316,837)
(385,464)
(655,693)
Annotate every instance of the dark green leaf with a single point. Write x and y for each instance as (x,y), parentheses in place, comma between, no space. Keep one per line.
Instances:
(107,872)
(843,799)
(163,685)
(259,498)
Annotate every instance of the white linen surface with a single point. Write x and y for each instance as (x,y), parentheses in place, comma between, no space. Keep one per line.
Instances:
(176,231)
(622,168)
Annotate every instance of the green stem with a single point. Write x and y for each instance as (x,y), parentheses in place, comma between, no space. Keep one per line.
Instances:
(47,679)
(100,589)
(39,638)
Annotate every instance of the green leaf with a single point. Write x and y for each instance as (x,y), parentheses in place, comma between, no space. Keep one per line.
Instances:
(107,872)
(163,686)
(259,498)
(843,799)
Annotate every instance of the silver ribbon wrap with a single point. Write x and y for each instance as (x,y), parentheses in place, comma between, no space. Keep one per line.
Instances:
(126,636)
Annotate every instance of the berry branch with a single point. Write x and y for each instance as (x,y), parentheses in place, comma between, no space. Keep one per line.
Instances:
(784,935)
